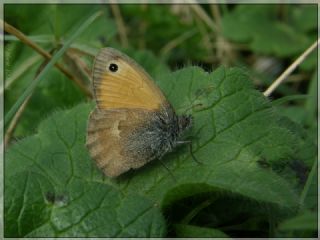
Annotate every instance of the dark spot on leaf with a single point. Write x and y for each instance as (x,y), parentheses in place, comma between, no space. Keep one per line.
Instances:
(57,199)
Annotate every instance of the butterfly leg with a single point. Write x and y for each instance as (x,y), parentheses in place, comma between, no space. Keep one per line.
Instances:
(190,149)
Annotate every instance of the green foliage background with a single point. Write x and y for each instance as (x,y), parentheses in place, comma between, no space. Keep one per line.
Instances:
(259,171)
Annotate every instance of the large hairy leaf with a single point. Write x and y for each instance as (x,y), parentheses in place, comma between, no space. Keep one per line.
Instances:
(53,188)
(234,128)
(52,191)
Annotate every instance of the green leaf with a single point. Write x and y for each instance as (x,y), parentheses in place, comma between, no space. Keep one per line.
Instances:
(152,64)
(101,30)
(310,63)
(151,21)
(258,26)
(54,190)
(304,221)
(305,149)
(189,231)
(83,208)
(228,138)
(295,113)
(30,18)
(304,17)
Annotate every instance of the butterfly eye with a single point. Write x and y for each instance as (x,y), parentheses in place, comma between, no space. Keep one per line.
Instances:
(113,67)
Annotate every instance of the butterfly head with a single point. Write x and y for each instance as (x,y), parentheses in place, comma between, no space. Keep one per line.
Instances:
(184,122)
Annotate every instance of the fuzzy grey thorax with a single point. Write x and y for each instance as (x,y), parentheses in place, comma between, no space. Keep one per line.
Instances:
(159,135)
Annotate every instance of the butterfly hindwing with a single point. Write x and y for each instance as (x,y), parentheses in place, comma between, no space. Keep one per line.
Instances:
(108,130)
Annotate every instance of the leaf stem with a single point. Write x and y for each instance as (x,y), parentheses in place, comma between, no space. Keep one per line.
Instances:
(291,68)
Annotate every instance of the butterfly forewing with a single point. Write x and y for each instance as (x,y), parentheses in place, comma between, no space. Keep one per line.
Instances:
(129,87)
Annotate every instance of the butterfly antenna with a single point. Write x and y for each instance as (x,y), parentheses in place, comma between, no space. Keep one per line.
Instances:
(170,172)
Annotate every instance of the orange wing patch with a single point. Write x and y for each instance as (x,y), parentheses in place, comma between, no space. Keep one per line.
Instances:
(128,87)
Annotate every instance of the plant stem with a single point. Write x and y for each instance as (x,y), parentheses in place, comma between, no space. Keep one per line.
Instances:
(54,59)
(23,38)
(202,15)
(14,121)
(291,68)
(119,21)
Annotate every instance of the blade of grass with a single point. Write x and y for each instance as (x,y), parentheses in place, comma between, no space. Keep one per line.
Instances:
(289,98)
(120,23)
(19,71)
(202,14)
(306,188)
(177,41)
(54,59)
(84,49)
(20,111)
(37,38)
(23,38)
(15,121)
(79,68)
(312,101)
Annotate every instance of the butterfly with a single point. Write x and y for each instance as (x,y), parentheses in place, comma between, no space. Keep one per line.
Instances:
(133,123)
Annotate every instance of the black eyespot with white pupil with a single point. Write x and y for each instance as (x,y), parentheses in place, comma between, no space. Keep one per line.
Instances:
(113,67)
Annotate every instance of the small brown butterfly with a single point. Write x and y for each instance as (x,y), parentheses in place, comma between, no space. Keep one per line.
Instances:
(132,123)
